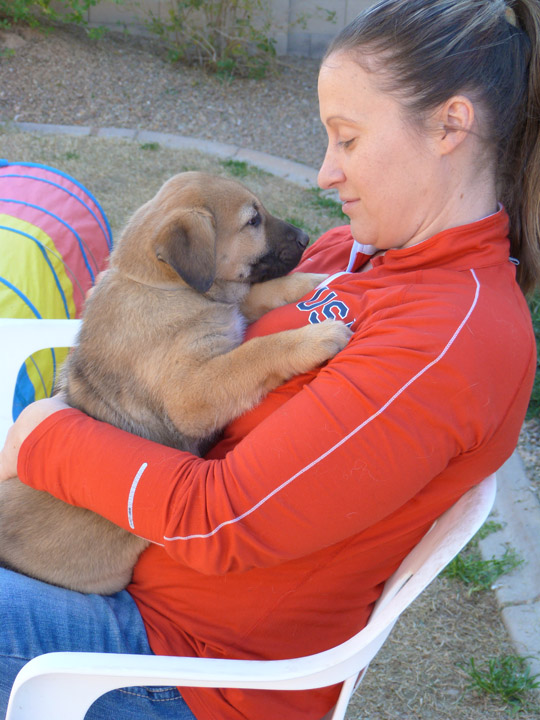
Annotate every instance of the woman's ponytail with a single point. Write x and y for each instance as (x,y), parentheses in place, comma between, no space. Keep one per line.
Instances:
(521,163)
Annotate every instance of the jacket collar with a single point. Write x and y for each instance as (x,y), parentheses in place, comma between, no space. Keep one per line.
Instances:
(481,243)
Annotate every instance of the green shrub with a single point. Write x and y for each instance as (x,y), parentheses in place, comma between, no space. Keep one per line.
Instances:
(229,37)
(36,12)
(219,34)
(26,12)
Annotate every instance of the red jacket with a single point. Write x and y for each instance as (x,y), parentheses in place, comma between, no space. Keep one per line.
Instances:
(279,547)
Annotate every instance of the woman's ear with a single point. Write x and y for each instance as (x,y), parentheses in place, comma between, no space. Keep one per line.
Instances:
(455,120)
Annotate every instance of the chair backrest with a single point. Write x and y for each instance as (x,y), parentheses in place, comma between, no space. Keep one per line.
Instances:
(19,338)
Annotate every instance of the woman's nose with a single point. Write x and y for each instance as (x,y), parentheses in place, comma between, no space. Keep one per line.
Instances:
(330,173)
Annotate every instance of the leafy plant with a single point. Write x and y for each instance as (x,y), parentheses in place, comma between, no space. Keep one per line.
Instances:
(228,36)
(21,11)
(508,677)
(36,12)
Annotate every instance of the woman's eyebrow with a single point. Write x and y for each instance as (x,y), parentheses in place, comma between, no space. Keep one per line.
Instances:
(342,118)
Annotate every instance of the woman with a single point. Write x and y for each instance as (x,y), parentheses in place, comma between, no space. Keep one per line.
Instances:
(278,543)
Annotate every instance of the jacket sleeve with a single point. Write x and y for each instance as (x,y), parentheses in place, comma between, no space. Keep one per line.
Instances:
(365,436)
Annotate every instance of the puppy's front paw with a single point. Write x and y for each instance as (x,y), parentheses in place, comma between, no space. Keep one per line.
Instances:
(271,294)
(322,341)
(332,334)
(301,283)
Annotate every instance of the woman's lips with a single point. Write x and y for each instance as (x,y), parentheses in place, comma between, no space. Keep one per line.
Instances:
(347,205)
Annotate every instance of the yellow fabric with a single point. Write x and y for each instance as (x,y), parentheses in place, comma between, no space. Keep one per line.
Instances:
(23,265)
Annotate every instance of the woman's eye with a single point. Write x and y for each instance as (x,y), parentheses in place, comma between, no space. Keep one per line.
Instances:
(255,221)
(346,143)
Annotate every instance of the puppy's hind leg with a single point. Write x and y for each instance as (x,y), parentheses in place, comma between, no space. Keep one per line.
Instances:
(63,545)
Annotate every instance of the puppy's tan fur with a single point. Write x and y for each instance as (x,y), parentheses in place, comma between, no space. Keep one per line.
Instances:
(160,354)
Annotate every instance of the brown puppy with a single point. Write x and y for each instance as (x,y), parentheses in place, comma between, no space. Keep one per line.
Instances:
(159,354)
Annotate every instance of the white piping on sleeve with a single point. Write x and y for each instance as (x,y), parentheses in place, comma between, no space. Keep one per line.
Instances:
(347,437)
(131,495)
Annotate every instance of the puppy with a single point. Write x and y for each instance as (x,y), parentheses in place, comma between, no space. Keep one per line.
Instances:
(160,354)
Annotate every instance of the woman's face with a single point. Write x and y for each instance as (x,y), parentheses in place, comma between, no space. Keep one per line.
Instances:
(389,176)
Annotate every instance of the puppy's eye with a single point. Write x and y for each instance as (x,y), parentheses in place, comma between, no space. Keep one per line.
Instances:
(255,221)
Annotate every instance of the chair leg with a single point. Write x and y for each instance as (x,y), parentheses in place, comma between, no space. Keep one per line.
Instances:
(340,708)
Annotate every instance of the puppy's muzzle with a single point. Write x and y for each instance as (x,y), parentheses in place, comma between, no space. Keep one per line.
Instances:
(286,243)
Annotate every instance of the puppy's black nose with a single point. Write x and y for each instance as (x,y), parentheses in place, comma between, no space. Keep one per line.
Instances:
(302,239)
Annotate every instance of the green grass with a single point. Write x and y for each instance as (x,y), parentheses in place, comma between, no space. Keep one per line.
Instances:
(490,526)
(242,169)
(476,573)
(297,222)
(238,168)
(322,202)
(152,146)
(508,677)
(479,574)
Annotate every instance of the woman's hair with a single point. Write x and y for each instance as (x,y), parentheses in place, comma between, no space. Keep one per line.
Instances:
(430,50)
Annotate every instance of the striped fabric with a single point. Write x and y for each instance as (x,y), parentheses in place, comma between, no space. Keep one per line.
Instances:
(54,239)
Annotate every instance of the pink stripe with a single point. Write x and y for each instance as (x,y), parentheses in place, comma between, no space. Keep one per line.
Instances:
(58,202)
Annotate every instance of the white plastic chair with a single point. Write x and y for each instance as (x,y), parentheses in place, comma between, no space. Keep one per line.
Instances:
(18,340)
(65,684)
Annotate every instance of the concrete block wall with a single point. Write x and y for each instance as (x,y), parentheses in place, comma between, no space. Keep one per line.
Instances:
(313,40)
(291,38)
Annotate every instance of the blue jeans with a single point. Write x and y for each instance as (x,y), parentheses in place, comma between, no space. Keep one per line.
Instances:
(36,618)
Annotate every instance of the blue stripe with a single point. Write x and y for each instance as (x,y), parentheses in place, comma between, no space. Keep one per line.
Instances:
(5,163)
(61,187)
(25,392)
(43,385)
(63,222)
(33,308)
(22,297)
(43,249)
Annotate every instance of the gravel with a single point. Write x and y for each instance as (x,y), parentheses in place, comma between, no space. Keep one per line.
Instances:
(66,78)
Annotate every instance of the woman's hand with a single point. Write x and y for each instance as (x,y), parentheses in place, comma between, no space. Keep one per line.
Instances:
(27,421)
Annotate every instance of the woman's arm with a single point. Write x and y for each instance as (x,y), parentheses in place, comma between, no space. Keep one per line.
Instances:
(422,382)
(27,421)
(332,461)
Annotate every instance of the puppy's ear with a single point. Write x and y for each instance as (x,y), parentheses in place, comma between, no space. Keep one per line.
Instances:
(186,241)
